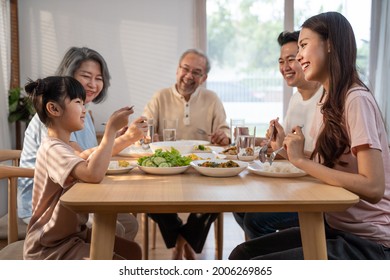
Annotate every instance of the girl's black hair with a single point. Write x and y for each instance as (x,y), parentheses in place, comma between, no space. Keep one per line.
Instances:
(53,89)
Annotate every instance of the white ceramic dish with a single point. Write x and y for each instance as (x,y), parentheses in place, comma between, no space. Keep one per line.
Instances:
(219,172)
(163,170)
(232,157)
(135,152)
(206,156)
(277,169)
(114,168)
(183,146)
(243,158)
(246,158)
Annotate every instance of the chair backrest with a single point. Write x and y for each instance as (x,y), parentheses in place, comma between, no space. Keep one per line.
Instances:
(12,172)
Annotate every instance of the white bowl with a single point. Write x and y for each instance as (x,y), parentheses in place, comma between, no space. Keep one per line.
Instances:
(219,172)
(164,170)
(183,146)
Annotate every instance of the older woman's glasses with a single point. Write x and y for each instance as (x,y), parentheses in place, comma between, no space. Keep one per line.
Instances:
(195,73)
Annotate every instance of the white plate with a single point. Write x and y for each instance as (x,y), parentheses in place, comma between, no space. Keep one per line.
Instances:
(278,169)
(114,168)
(243,158)
(207,156)
(204,143)
(219,172)
(232,157)
(183,146)
(135,152)
(163,170)
(246,158)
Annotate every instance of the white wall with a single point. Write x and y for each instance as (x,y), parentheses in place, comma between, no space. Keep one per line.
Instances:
(140,40)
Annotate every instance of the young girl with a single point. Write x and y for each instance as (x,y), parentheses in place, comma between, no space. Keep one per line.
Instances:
(89,68)
(54,231)
(351,150)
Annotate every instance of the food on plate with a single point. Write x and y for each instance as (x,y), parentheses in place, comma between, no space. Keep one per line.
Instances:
(227,164)
(230,151)
(118,164)
(202,148)
(162,158)
(123,163)
(285,168)
(196,157)
(248,152)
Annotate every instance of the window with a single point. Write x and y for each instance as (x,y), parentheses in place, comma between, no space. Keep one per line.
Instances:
(243,49)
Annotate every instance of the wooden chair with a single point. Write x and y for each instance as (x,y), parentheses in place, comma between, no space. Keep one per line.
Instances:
(218,232)
(14,249)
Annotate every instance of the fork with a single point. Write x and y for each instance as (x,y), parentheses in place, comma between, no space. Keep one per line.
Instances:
(203,132)
(264,148)
(273,155)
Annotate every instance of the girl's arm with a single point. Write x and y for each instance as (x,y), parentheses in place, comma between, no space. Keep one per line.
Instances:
(136,131)
(368,183)
(93,170)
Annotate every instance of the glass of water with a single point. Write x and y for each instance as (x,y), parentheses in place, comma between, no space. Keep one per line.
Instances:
(245,142)
(234,123)
(169,131)
(150,133)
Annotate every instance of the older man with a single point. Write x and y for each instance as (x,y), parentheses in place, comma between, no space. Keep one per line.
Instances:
(201,116)
(196,108)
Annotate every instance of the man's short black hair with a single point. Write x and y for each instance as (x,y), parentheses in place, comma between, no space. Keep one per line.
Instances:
(287,37)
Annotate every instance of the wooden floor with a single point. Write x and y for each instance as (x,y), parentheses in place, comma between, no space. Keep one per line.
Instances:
(233,235)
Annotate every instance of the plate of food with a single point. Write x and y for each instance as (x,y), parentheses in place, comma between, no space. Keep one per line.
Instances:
(164,162)
(277,169)
(119,167)
(206,156)
(183,146)
(219,167)
(201,147)
(231,153)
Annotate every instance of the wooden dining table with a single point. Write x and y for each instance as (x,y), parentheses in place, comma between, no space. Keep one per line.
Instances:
(138,192)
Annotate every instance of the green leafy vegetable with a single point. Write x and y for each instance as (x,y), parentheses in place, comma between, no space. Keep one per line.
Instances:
(165,159)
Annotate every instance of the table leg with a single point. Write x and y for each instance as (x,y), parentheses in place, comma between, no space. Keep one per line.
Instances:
(145,230)
(313,235)
(103,236)
(218,225)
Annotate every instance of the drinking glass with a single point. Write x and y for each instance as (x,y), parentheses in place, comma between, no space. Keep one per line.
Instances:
(169,131)
(150,133)
(234,123)
(246,142)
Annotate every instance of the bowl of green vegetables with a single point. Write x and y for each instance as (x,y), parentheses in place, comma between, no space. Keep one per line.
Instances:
(164,162)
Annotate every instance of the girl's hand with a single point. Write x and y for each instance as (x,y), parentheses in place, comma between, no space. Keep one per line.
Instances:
(294,144)
(119,119)
(121,131)
(137,129)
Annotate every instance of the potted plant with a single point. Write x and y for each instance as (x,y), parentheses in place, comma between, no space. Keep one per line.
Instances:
(20,106)
(21,110)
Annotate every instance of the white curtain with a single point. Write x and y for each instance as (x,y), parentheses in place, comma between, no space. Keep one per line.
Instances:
(200,25)
(5,71)
(380,56)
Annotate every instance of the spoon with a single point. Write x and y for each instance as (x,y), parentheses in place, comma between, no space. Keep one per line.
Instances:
(273,155)
(264,148)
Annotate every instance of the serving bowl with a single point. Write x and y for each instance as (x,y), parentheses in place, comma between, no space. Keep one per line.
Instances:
(218,171)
